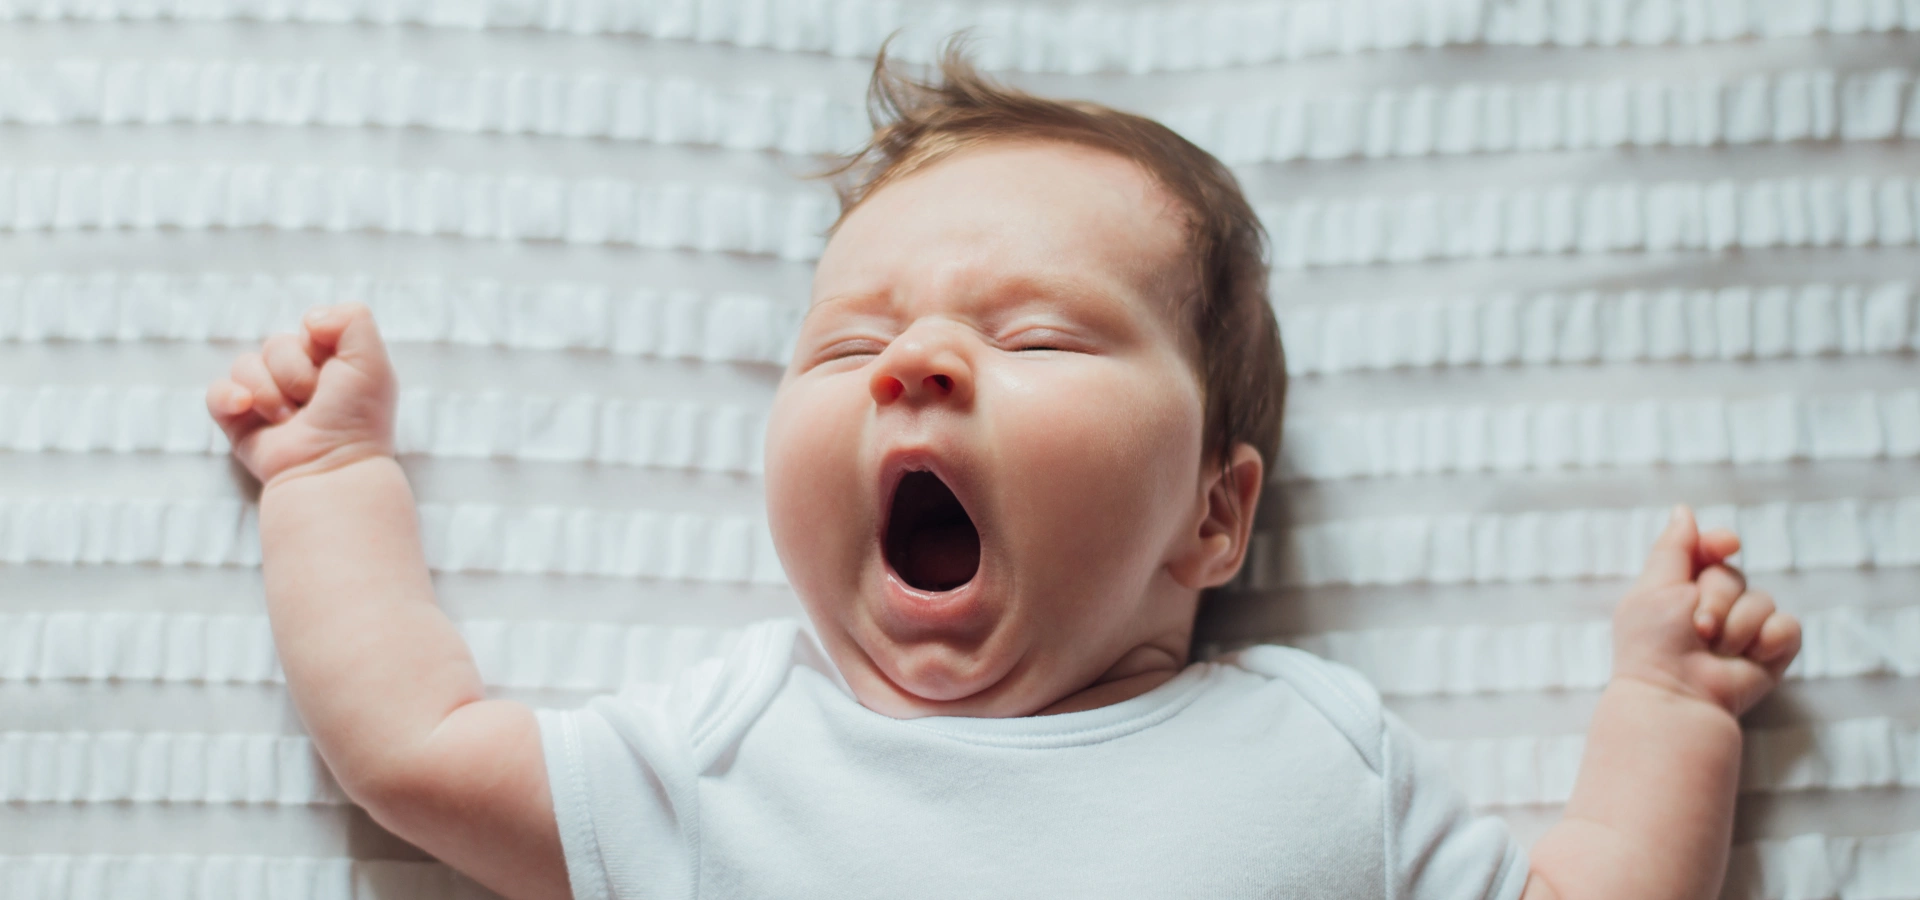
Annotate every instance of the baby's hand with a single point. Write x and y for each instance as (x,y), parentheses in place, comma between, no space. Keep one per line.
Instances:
(1691,626)
(309,402)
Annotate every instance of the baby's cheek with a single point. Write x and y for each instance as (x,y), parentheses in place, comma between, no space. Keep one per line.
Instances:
(1105,463)
(815,505)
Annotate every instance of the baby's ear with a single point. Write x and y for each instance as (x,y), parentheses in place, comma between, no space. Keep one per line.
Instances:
(1219,544)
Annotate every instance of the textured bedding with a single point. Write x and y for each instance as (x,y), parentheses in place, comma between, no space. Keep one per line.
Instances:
(1543,268)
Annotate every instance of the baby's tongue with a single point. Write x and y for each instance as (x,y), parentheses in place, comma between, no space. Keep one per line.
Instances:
(943,556)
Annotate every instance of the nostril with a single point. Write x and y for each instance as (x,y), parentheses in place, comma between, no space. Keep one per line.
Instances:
(943,382)
(892,387)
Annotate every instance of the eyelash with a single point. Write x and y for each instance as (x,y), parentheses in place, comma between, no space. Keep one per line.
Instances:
(850,348)
(1045,340)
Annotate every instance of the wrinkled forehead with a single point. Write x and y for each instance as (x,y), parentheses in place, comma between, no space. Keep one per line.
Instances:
(1041,211)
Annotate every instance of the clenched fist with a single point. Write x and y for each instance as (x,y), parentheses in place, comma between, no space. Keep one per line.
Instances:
(1691,626)
(309,402)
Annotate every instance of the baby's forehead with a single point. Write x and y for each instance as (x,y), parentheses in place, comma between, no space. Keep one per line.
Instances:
(1019,214)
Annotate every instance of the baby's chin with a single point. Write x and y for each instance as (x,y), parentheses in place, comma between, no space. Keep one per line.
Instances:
(938,647)
(950,655)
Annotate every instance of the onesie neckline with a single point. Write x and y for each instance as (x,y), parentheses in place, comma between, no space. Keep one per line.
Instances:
(1087,726)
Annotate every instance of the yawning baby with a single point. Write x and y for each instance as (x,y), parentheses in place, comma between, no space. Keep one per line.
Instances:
(1026,424)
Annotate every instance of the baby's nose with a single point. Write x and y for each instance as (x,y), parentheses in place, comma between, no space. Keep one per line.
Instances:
(913,370)
(888,388)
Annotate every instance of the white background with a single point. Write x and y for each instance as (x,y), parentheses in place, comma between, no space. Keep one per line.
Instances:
(1543,268)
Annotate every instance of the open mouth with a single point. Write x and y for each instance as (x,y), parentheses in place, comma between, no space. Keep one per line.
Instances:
(931,542)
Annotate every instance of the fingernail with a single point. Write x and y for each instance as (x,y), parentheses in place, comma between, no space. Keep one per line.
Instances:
(1673,515)
(319,315)
(237,396)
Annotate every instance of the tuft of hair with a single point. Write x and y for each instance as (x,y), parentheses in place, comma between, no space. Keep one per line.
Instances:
(1235,339)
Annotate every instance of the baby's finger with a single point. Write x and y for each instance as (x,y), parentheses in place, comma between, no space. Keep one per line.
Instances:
(226,400)
(346,331)
(1721,576)
(315,338)
(1778,643)
(293,370)
(250,372)
(1671,559)
(1715,546)
(229,404)
(1720,587)
(1744,621)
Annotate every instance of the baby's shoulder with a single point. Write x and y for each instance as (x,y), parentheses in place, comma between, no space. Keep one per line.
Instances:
(1339,694)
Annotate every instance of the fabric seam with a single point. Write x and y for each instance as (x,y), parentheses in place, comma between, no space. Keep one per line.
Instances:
(577,796)
(1506,873)
(1054,740)
(745,687)
(1387,874)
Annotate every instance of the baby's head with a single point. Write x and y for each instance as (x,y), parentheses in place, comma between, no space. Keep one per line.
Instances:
(1031,405)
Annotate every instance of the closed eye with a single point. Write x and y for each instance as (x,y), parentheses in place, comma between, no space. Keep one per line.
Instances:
(849,349)
(1044,340)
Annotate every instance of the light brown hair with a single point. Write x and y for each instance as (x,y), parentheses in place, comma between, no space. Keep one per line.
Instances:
(1236,340)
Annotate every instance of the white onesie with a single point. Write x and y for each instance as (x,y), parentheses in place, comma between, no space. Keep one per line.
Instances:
(1267,773)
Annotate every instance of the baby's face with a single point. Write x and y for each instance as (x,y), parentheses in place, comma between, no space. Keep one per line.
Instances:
(983,464)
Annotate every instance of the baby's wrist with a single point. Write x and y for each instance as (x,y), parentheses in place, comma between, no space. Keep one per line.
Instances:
(1669,687)
(339,459)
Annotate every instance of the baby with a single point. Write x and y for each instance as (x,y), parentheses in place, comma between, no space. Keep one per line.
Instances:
(1026,424)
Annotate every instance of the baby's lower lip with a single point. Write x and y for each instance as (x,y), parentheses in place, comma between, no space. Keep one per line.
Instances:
(913,613)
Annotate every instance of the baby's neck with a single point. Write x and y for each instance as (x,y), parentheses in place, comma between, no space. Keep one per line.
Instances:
(1144,668)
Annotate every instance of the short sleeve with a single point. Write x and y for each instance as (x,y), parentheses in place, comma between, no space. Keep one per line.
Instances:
(622,795)
(624,769)
(1436,846)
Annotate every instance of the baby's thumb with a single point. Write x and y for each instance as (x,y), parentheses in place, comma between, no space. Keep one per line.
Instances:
(1671,559)
(348,331)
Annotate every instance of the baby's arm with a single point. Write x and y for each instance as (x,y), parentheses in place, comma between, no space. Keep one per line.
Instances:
(1651,814)
(383,681)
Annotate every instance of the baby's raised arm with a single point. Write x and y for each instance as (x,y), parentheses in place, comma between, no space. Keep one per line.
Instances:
(1651,814)
(383,681)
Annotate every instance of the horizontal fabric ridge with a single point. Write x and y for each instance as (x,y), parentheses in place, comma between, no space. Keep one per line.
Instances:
(243,768)
(1842,642)
(1554,328)
(1471,118)
(163,767)
(365,94)
(1549,328)
(548,539)
(1850,754)
(1826,867)
(238,649)
(554,315)
(682,434)
(1571,544)
(1802,867)
(1657,217)
(1561,435)
(1444,660)
(1781,107)
(1081,39)
(789,225)
(458,537)
(233,877)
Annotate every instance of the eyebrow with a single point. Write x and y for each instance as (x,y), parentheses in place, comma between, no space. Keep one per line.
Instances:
(836,298)
(1046,285)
